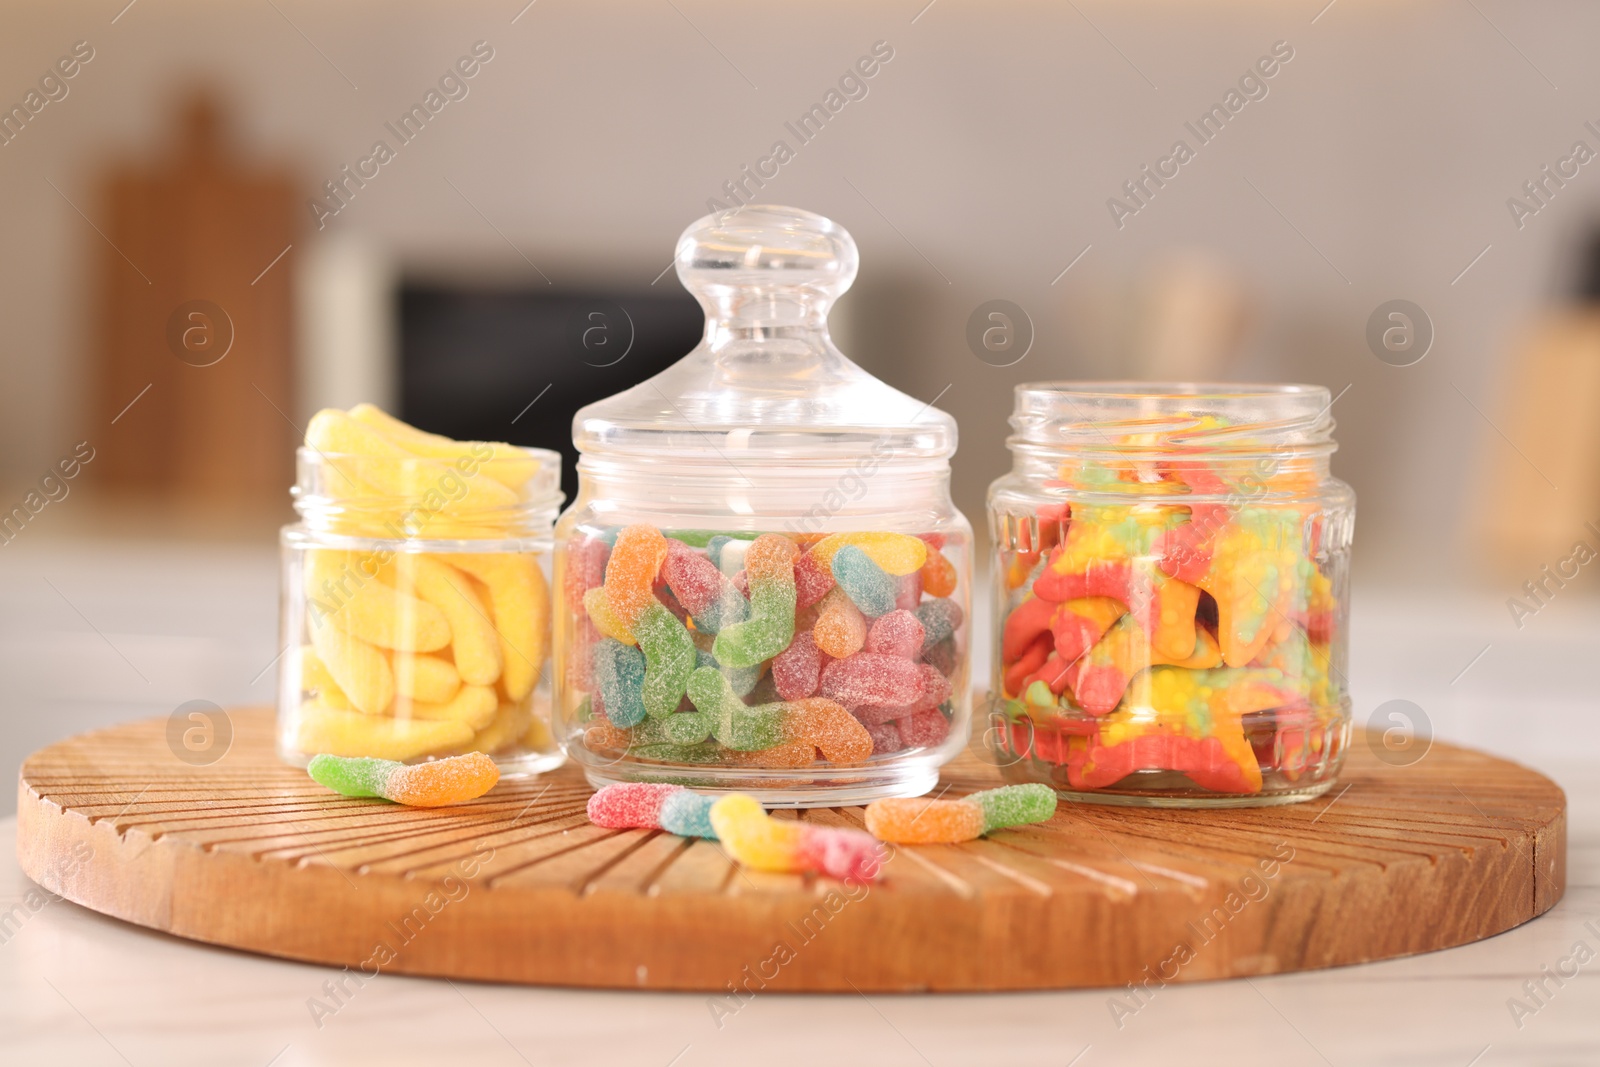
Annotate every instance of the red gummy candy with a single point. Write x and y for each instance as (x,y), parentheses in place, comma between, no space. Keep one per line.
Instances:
(885,738)
(812,580)
(1030,619)
(899,633)
(871,678)
(926,728)
(908,591)
(797,669)
(1031,659)
(936,689)
(586,568)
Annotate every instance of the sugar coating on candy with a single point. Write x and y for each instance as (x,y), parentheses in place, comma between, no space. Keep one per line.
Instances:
(351,776)
(687,814)
(896,553)
(704,591)
(899,633)
(885,737)
(604,619)
(920,821)
(733,723)
(796,670)
(940,619)
(630,805)
(941,657)
(826,725)
(669,659)
(789,754)
(840,629)
(585,568)
(935,690)
(848,855)
(770,628)
(424,785)
(755,839)
(908,591)
(938,575)
(731,555)
(668,599)
(869,586)
(619,672)
(631,572)
(812,580)
(925,729)
(1014,805)
(871,678)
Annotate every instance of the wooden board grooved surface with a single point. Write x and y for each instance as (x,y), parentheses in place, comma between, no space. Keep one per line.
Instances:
(518,886)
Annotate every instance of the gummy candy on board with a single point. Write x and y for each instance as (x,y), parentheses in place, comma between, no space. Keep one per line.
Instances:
(435,784)
(922,821)
(756,839)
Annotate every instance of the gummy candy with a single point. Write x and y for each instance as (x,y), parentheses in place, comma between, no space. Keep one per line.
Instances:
(687,814)
(631,572)
(868,585)
(619,672)
(703,590)
(770,563)
(797,669)
(926,822)
(895,553)
(424,785)
(899,633)
(648,806)
(840,629)
(812,580)
(669,654)
(755,839)
(871,678)
(940,619)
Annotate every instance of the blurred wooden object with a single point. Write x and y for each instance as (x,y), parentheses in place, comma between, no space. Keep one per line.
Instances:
(1544,485)
(196,225)
(1194,312)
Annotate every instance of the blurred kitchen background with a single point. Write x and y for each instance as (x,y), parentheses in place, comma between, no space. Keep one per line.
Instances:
(172,174)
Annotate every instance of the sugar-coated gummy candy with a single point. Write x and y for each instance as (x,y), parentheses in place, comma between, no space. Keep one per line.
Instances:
(704,591)
(519,600)
(840,629)
(669,654)
(714,549)
(938,575)
(871,678)
(933,690)
(827,726)
(585,564)
(941,657)
(895,553)
(688,814)
(812,580)
(885,737)
(899,633)
(619,673)
(869,586)
(630,805)
(437,783)
(940,619)
(732,554)
(908,591)
(631,572)
(353,733)
(925,729)
(797,669)
(755,839)
(922,821)
(604,619)
(733,722)
(770,628)
(474,645)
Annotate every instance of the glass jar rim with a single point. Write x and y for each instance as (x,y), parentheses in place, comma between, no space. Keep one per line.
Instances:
(1154,417)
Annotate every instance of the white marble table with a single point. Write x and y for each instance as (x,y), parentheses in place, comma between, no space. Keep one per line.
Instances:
(78,988)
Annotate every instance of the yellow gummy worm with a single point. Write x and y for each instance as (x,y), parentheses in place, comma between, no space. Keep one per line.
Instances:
(369,457)
(473,642)
(349,733)
(430,678)
(520,601)
(753,837)
(898,554)
(344,589)
(506,464)
(360,671)
(473,704)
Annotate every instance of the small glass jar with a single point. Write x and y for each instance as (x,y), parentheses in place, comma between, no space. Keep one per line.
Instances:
(416,604)
(1171,575)
(764,582)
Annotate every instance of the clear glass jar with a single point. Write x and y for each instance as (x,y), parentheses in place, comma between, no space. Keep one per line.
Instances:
(1171,585)
(764,582)
(416,604)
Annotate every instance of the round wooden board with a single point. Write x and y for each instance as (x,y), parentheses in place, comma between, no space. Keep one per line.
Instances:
(519,887)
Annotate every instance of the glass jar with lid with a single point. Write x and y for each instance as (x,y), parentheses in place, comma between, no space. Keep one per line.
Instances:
(1171,582)
(416,596)
(763,583)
